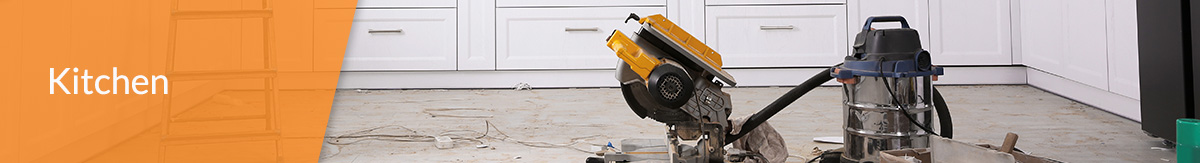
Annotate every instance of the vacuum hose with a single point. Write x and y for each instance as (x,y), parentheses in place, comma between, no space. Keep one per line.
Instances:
(779,104)
(939,104)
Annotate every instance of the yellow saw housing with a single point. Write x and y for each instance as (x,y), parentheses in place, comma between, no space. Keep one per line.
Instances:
(632,54)
(671,40)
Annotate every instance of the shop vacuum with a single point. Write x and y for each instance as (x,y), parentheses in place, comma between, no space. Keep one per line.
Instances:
(673,78)
(887,92)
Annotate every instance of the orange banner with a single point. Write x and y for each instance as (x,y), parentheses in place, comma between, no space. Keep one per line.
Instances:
(168,80)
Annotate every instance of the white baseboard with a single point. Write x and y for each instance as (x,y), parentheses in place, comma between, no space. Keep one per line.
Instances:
(605,78)
(1100,98)
(983,75)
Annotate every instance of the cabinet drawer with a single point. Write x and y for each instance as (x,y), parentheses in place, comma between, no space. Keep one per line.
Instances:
(402,39)
(778,36)
(391,3)
(534,3)
(560,38)
(746,2)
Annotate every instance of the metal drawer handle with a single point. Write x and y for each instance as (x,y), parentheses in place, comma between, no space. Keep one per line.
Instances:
(569,29)
(385,30)
(776,27)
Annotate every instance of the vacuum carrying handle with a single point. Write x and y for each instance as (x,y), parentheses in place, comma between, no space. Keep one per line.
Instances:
(867,26)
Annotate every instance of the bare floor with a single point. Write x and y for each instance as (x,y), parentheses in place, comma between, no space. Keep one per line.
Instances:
(559,125)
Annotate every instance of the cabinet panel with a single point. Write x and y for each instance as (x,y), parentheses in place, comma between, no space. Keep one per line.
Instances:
(476,35)
(1066,38)
(406,3)
(402,39)
(532,3)
(300,56)
(560,38)
(970,32)
(390,3)
(688,15)
(329,45)
(745,2)
(1123,76)
(778,36)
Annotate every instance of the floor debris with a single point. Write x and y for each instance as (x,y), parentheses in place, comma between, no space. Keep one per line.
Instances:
(555,116)
(522,87)
(437,112)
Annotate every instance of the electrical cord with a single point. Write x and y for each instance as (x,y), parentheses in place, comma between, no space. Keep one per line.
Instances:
(821,156)
(896,101)
(367,134)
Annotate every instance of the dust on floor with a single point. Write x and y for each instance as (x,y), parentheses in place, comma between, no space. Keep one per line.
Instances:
(560,125)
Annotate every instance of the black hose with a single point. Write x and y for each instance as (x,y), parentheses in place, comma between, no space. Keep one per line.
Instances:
(943,113)
(779,104)
(939,105)
(896,102)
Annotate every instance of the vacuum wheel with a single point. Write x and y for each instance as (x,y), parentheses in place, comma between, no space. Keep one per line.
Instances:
(670,85)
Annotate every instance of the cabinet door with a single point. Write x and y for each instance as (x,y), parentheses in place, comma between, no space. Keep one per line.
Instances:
(561,38)
(763,2)
(1123,74)
(387,3)
(329,45)
(407,3)
(778,36)
(562,3)
(402,39)
(970,32)
(1066,38)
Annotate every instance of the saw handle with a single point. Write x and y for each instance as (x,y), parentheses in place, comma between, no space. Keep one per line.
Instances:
(633,16)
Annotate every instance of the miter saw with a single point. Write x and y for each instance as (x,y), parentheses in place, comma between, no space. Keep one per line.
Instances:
(671,77)
(668,75)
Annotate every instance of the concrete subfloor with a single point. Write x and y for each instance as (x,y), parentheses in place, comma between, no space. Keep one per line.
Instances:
(1049,125)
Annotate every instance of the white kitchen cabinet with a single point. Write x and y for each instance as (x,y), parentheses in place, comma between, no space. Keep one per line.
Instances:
(765,2)
(1066,38)
(406,3)
(1123,76)
(578,3)
(915,11)
(402,39)
(361,4)
(970,32)
(778,36)
(561,38)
